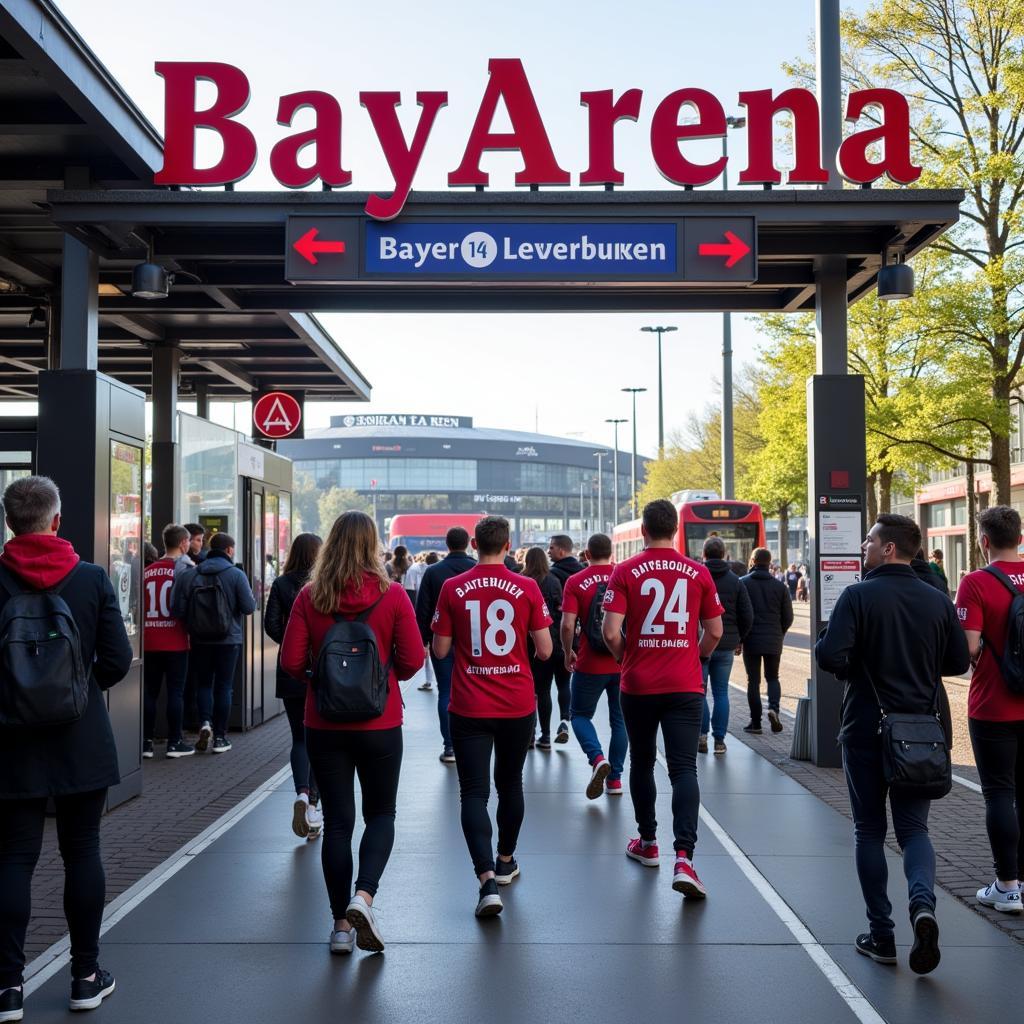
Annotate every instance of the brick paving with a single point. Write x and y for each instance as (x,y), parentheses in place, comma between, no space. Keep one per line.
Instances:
(180,798)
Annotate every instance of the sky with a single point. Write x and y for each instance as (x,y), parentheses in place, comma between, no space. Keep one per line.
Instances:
(561,373)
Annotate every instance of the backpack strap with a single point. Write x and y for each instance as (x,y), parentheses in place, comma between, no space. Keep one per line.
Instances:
(67,579)
(998,573)
(363,615)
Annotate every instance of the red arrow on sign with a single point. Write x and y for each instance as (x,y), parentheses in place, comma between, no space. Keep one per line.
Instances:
(734,247)
(307,246)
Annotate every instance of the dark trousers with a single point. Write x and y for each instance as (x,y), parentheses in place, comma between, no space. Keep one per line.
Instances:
(337,757)
(172,666)
(215,679)
(999,753)
(443,674)
(21,839)
(302,771)
(543,674)
(679,715)
(474,739)
(868,791)
(752,664)
(563,683)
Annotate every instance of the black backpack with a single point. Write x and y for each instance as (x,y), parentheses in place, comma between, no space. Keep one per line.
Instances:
(592,628)
(43,681)
(208,615)
(350,683)
(1011,664)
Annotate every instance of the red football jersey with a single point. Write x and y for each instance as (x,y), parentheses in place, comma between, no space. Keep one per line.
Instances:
(663,595)
(161,632)
(488,612)
(576,598)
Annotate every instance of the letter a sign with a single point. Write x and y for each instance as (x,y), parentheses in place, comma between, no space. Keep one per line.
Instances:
(277,414)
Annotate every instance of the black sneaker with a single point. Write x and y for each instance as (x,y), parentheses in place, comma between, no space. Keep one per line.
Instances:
(775,721)
(447,756)
(12,1004)
(489,904)
(562,736)
(924,954)
(221,745)
(87,995)
(544,743)
(505,871)
(180,749)
(702,743)
(754,728)
(882,951)
(147,748)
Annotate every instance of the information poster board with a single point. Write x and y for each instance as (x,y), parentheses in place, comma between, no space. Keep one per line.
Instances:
(834,576)
(839,533)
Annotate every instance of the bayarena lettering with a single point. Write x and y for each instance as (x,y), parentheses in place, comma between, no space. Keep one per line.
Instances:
(881,149)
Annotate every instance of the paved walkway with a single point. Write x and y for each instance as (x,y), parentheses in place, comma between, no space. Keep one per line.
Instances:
(239,932)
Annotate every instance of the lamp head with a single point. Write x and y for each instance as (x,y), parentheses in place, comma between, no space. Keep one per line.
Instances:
(151,281)
(896,281)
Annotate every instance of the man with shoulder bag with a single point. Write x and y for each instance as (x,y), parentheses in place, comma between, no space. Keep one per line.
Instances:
(891,639)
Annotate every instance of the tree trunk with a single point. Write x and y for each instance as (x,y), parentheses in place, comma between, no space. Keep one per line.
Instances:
(872,498)
(784,534)
(972,523)
(1001,469)
(884,490)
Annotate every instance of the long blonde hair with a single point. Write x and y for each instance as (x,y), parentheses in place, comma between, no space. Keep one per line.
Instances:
(351,552)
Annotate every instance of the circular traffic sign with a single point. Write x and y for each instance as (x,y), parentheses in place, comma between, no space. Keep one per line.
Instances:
(276,414)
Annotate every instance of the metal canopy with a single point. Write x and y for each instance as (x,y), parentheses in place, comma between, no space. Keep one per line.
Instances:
(234,243)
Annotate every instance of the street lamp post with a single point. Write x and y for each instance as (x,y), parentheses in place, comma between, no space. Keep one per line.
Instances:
(615,471)
(632,496)
(661,392)
(602,523)
(728,470)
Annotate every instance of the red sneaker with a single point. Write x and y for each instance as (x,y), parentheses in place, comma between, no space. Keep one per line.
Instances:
(685,880)
(602,769)
(647,855)
(613,787)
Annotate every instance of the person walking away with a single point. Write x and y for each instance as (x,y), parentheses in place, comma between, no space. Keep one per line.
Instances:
(891,639)
(737,619)
(987,605)
(348,594)
(801,590)
(773,615)
(413,579)
(60,748)
(563,565)
(937,567)
(543,670)
(594,671)
(399,564)
(307,818)
(165,647)
(792,578)
(213,598)
(457,561)
(485,616)
(662,596)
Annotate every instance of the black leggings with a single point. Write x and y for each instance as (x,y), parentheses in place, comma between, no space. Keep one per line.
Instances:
(679,715)
(302,771)
(543,673)
(21,840)
(999,753)
(337,756)
(473,740)
(752,663)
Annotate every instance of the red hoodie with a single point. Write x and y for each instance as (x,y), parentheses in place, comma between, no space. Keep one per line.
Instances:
(41,560)
(394,622)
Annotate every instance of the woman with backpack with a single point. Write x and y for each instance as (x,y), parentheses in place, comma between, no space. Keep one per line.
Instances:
(375,617)
(307,818)
(537,567)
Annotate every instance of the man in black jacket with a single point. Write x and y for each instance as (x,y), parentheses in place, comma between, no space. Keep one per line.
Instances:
(72,764)
(458,560)
(563,565)
(737,618)
(891,638)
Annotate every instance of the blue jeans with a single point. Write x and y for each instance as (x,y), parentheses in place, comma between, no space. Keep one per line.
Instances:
(443,672)
(868,790)
(215,680)
(586,692)
(718,668)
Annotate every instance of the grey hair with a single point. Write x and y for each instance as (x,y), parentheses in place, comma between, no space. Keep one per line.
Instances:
(30,504)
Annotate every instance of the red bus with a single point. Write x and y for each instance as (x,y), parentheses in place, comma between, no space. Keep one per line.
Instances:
(424,531)
(740,524)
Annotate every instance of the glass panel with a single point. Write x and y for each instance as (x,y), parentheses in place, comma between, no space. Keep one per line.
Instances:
(8,476)
(284,530)
(208,474)
(256,545)
(271,565)
(740,539)
(126,533)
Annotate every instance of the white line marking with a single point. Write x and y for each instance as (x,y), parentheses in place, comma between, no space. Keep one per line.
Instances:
(967,783)
(834,974)
(57,956)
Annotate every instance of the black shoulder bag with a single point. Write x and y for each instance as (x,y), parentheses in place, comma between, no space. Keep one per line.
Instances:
(916,759)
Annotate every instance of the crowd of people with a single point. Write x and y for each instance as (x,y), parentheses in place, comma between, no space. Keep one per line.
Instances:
(650,636)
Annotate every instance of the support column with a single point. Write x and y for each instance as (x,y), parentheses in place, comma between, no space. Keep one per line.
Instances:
(202,400)
(164,494)
(828,49)
(79,307)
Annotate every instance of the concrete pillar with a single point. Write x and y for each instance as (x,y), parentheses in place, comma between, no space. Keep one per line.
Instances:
(164,494)
(202,400)
(79,307)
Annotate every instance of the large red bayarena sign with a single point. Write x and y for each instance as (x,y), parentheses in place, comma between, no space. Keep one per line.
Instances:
(881,150)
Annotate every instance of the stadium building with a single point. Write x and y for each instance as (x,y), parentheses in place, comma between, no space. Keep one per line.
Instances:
(416,463)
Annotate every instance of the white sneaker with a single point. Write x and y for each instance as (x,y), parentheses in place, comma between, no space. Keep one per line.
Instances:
(1004,902)
(300,822)
(205,737)
(343,942)
(359,914)
(315,821)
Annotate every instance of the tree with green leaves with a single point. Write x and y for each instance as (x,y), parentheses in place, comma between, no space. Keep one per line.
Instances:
(336,500)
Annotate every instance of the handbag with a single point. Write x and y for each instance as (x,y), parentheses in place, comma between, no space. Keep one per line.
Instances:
(916,760)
